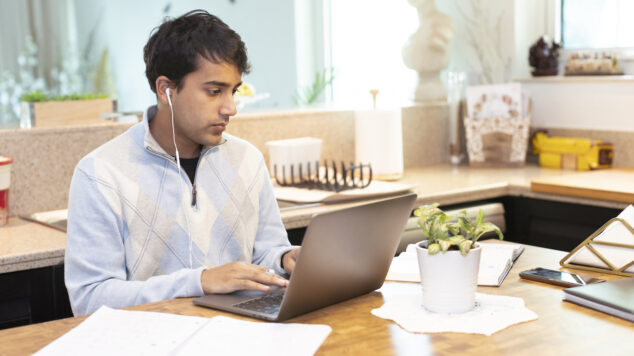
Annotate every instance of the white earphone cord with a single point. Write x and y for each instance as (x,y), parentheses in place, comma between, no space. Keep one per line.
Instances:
(178,164)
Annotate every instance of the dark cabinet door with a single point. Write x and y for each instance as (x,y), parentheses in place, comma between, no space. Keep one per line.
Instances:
(25,297)
(556,225)
(61,301)
(33,296)
(545,223)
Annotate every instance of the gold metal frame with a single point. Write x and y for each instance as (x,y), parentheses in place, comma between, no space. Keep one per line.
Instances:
(590,241)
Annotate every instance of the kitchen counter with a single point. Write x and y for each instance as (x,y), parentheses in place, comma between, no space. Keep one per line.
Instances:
(25,245)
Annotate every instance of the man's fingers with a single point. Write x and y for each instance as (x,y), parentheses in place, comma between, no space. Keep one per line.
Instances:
(290,264)
(239,276)
(245,284)
(259,274)
(269,278)
(290,260)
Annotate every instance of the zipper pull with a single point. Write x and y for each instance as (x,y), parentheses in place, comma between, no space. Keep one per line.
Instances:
(194,195)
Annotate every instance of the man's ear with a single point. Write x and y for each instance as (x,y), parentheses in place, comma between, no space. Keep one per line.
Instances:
(162,83)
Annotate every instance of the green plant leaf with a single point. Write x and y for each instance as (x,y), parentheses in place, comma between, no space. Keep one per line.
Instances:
(425,226)
(428,210)
(33,97)
(439,229)
(454,229)
(480,218)
(38,96)
(486,227)
(433,249)
(456,240)
(311,93)
(466,225)
(444,245)
(442,231)
(465,246)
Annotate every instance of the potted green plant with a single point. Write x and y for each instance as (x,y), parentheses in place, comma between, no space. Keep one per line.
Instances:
(450,258)
(41,110)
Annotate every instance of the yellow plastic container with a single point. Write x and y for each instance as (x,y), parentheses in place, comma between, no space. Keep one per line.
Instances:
(572,153)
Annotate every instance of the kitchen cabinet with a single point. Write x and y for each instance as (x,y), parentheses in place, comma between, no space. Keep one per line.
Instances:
(33,296)
(537,222)
(546,223)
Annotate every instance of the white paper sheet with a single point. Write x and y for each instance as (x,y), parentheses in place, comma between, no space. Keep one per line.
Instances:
(495,262)
(122,332)
(376,189)
(228,336)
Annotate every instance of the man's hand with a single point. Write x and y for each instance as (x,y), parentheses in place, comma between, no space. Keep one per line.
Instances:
(239,276)
(289,259)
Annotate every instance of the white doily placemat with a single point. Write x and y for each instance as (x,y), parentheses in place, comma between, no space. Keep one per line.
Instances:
(491,314)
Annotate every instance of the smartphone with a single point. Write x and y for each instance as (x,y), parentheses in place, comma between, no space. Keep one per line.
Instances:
(559,278)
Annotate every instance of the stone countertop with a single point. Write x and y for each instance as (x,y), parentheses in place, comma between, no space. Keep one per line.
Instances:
(26,245)
(446,184)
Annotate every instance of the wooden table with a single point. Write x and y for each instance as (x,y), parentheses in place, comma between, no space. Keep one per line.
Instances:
(561,329)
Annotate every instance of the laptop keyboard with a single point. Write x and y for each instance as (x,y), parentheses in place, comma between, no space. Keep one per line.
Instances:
(266,304)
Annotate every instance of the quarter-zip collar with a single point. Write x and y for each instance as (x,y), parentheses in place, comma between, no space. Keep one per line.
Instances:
(150,143)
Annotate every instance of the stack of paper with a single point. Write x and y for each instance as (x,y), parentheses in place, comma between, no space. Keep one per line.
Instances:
(376,189)
(496,261)
(122,332)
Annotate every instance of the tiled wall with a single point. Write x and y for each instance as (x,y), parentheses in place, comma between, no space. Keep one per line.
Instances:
(45,158)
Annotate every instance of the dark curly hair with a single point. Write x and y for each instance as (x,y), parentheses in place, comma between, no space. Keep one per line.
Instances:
(175,47)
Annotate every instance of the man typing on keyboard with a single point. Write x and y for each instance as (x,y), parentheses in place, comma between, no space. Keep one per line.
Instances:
(175,207)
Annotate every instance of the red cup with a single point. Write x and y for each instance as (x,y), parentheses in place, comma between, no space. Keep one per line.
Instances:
(5,181)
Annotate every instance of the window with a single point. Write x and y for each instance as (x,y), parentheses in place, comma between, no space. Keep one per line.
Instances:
(366,41)
(597,24)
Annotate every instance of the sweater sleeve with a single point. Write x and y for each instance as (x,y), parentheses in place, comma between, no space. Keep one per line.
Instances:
(95,268)
(271,241)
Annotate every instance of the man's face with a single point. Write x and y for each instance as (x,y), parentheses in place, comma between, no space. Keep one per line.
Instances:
(204,104)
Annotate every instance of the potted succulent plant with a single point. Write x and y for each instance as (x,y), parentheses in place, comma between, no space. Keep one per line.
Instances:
(450,258)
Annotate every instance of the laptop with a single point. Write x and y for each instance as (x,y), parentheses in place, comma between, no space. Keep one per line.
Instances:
(345,253)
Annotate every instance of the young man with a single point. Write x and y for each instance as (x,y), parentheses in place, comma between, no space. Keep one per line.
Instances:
(141,228)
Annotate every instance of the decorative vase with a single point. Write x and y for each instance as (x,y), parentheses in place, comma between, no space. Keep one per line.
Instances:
(449,280)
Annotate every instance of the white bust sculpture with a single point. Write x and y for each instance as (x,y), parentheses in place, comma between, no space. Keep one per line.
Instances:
(427,50)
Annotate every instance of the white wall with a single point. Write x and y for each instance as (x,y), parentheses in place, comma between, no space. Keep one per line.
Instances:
(267,28)
(582,103)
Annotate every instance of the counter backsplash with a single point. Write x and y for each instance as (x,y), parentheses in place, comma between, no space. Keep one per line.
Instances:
(45,158)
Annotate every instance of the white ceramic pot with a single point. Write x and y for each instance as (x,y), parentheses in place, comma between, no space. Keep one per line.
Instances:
(449,280)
